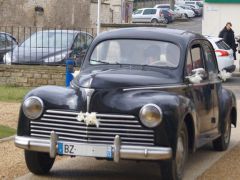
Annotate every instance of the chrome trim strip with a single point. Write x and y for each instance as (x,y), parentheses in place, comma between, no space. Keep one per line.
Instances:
(120,151)
(75,118)
(82,123)
(94,141)
(91,132)
(98,115)
(92,136)
(156,87)
(92,128)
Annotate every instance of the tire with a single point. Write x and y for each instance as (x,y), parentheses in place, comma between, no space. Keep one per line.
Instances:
(222,143)
(154,21)
(165,21)
(173,169)
(38,163)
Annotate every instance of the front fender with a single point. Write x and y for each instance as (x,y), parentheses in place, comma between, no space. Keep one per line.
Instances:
(174,107)
(53,97)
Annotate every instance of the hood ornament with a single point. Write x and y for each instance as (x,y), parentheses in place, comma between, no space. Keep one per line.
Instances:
(88,118)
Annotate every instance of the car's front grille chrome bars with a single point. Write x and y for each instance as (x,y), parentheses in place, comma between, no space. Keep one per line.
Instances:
(67,127)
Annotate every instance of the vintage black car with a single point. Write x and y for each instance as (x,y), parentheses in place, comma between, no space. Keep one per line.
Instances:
(142,94)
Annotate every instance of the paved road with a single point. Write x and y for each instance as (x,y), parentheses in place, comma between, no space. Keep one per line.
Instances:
(194,25)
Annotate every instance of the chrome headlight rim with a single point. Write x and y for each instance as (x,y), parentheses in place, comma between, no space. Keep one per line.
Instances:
(145,122)
(36,116)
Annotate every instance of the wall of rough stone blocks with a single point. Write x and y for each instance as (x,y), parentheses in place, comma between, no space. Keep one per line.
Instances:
(57,13)
(31,76)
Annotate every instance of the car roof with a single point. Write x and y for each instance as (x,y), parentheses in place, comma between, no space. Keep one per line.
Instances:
(6,33)
(150,33)
(146,8)
(69,31)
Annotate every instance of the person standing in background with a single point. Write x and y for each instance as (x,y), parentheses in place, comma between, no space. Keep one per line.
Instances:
(228,36)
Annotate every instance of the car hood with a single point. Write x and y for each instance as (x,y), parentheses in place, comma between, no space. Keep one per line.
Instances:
(122,78)
(36,55)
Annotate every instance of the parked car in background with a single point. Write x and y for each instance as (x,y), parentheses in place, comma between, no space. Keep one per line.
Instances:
(223,53)
(197,12)
(179,12)
(50,47)
(168,15)
(148,15)
(198,3)
(143,94)
(7,43)
(186,13)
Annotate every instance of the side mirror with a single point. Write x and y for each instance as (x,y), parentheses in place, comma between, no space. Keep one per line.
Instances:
(197,76)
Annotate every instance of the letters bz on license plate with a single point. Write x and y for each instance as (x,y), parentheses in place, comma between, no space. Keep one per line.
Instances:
(90,150)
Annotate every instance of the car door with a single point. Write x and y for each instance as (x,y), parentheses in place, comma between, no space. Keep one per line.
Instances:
(214,81)
(147,15)
(137,16)
(201,92)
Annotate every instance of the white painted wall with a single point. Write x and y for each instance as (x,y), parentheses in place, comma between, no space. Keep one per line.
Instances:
(217,15)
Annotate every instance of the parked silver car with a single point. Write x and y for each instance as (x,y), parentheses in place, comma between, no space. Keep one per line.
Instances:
(148,15)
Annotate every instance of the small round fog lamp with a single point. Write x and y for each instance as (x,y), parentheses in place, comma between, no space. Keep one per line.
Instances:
(150,115)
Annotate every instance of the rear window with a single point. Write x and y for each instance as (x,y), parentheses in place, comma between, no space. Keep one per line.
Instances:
(222,45)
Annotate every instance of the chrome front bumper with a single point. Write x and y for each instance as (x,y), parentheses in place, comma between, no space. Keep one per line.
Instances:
(119,151)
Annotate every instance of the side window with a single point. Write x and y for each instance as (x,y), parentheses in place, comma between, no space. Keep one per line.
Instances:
(147,11)
(2,41)
(154,11)
(77,42)
(210,59)
(197,57)
(89,40)
(10,41)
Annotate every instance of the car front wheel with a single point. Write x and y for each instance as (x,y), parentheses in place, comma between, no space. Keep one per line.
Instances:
(222,143)
(38,162)
(173,169)
(154,21)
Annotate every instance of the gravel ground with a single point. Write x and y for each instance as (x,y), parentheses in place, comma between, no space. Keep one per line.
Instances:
(227,168)
(12,162)
(9,114)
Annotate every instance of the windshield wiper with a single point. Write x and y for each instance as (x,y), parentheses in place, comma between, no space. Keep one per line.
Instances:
(102,62)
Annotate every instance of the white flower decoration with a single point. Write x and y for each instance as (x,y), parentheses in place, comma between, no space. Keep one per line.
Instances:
(80,117)
(88,118)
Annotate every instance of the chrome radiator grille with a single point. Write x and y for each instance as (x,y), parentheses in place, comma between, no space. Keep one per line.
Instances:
(68,128)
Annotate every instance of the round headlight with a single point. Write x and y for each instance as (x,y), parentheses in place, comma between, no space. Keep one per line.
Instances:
(150,115)
(33,107)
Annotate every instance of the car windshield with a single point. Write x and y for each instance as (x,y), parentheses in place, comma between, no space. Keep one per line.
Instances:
(136,52)
(49,39)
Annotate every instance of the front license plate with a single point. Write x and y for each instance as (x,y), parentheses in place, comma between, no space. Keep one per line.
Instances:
(90,150)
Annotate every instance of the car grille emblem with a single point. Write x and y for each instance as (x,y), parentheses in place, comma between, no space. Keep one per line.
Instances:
(88,118)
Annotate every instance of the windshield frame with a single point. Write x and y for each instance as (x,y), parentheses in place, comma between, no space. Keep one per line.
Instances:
(143,66)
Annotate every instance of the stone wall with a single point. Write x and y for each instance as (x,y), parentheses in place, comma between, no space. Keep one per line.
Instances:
(57,13)
(31,76)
